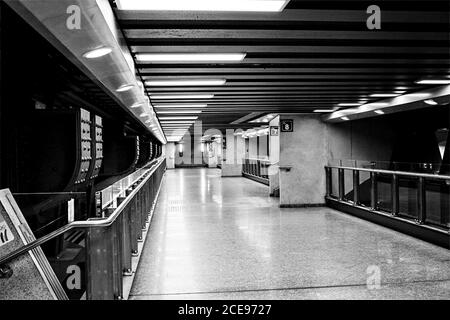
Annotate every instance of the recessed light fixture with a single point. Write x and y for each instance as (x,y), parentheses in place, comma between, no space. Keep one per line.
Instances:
(434,81)
(185,83)
(378,104)
(349,104)
(188,106)
(176,122)
(418,95)
(180,112)
(175,97)
(190,57)
(324,110)
(204,5)
(345,118)
(379,111)
(431,102)
(125,87)
(384,95)
(179,118)
(97,53)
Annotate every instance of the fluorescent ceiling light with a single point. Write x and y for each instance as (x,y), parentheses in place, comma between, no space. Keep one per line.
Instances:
(174,97)
(378,104)
(97,53)
(418,95)
(183,122)
(180,112)
(136,105)
(184,106)
(324,110)
(204,5)
(384,95)
(183,83)
(143,115)
(431,102)
(190,57)
(125,87)
(434,81)
(345,118)
(349,104)
(379,111)
(178,118)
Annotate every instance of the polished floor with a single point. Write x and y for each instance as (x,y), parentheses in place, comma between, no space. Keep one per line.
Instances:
(224,238)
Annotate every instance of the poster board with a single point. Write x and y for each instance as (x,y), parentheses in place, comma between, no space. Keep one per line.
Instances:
(32,278)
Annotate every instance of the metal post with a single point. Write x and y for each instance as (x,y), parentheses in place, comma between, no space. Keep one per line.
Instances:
(328,180)
(100,264)
(126,239)
(394,195)
(421,201)
(373,191)
(356,187)
(341,184)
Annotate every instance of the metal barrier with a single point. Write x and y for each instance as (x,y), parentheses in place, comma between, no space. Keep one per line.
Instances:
(256,169)
(112,241)
(420,198)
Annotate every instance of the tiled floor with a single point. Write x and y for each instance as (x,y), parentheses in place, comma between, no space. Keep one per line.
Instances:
(224,238)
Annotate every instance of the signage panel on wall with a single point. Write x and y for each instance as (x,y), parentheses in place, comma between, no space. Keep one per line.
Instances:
(287,125)
(274,131)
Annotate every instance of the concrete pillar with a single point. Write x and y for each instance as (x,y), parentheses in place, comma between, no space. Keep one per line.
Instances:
(170,155)
(303,156)
(274,157)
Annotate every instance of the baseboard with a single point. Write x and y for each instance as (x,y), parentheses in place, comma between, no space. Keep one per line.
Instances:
(306,205)
(423,232)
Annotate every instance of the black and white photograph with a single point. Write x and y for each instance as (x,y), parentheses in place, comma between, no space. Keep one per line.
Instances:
(224,158)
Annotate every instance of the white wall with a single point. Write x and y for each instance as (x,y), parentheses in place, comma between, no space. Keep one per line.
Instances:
(305,151)
(169,150)
(274,142)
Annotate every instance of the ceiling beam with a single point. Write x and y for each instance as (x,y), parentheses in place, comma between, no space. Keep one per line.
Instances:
(293,49)
(288,70)
(130,17)
(147,35)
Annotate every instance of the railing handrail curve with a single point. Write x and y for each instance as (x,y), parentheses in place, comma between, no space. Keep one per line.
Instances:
(102,222)
(392,172)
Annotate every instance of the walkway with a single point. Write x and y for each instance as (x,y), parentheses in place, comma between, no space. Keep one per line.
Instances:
(224,238)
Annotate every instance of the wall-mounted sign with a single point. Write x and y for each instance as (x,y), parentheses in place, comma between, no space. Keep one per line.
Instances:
(287,125)
(274,131)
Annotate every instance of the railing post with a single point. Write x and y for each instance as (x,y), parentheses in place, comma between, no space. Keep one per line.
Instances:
(328,181)
(126,239)
(421,201)
(373,191)
(341,184)
(356,187)
(101,280)
(394,195)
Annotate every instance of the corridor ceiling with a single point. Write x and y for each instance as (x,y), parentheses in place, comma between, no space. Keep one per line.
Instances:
(312,55)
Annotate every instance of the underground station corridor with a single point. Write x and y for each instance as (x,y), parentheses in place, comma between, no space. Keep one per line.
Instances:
(241,151)
(214,238)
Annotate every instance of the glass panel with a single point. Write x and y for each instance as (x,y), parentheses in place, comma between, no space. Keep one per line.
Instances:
(348,185)
(407,190)
(437,202)
(67,256)
(384,184)
(364,188)
(334,183)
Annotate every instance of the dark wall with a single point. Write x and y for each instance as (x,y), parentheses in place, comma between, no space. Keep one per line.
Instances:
(401,137)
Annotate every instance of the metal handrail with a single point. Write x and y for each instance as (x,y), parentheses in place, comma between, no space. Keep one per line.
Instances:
(105,205)
(102,222)
(398,173)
